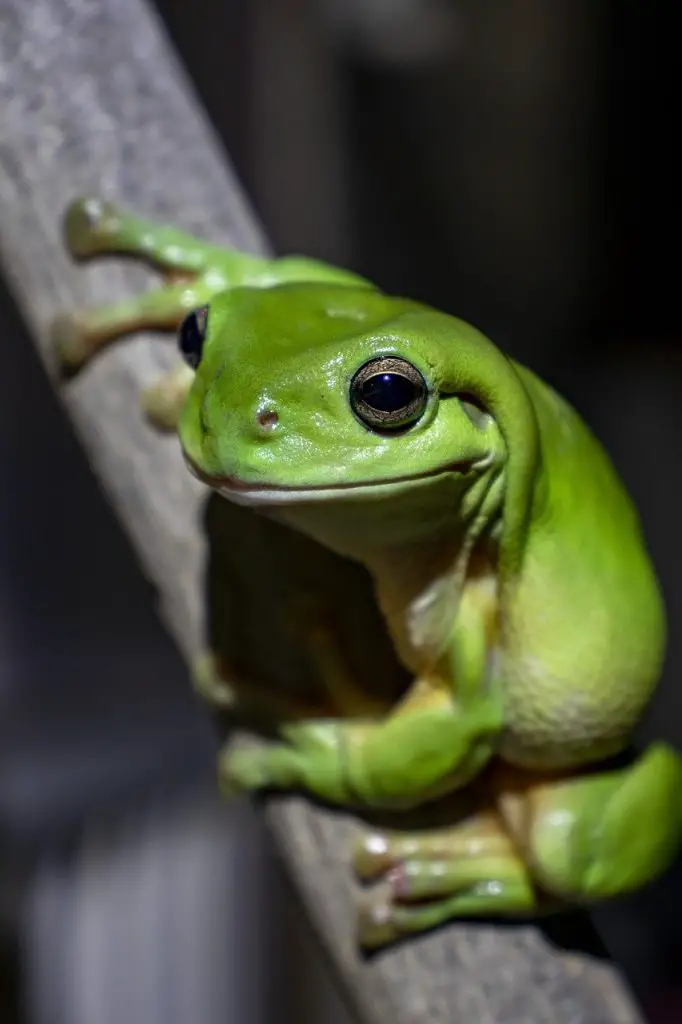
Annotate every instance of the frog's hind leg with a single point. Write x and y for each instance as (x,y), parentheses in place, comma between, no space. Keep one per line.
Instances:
(77,336)
(600,835)
(550,843)
(93,227)
(194,270)
(428,878)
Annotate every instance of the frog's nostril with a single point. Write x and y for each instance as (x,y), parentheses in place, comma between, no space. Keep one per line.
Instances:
(267,420)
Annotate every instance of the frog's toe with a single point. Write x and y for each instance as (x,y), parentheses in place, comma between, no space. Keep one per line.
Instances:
(267,766)
(373,856)
(209,684)
(88,223)
(377,856)
(376,925)
(160,407)
(417,896)
(70,340)
(163,402)
(241,771)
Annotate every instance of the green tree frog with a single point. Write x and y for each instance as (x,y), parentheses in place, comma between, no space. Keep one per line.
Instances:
(510,582)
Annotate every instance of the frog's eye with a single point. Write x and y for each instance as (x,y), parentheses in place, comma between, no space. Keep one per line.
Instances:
(191,336)
(388,393)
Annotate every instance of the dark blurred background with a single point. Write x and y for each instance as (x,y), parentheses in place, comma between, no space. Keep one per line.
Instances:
(512,162)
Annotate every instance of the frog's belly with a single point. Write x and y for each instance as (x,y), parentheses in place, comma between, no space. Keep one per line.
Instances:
(561,720)
(581,655)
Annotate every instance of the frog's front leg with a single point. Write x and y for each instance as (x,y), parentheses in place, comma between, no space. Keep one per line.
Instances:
(426,747)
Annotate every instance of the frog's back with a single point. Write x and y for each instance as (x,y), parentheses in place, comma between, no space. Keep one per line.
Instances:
(584,629)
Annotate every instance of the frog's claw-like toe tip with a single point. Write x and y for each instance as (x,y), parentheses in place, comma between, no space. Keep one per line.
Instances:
(240,771)
(87,224)
(375,925)
(160,407)
(69,341)
(372,856)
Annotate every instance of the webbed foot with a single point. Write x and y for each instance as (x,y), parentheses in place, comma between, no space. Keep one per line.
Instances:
(428,878)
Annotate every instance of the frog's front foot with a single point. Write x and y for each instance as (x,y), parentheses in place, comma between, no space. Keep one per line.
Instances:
(426,879)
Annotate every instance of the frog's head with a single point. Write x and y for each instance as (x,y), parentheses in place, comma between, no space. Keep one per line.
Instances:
(359,418)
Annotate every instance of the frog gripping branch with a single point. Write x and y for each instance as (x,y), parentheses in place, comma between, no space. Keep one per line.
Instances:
(507,561)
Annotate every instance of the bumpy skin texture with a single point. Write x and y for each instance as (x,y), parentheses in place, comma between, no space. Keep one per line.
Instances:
(517,619)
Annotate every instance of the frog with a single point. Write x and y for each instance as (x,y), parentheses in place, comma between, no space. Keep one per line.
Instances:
(508,566)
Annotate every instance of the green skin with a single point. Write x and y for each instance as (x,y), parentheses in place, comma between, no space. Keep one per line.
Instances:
(507,561)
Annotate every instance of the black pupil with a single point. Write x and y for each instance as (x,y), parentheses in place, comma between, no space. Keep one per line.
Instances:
(388,392)
(192,337)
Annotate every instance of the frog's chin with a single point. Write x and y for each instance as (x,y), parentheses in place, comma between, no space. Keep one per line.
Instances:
(241,492)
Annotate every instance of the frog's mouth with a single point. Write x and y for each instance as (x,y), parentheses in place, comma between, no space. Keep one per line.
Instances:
(243,493)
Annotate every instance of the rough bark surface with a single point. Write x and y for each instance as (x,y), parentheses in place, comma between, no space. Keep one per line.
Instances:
(93,100)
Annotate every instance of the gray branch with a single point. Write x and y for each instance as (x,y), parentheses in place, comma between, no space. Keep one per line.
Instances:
(93,100)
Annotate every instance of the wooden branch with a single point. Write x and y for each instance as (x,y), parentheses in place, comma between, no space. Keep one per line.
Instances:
(93,100)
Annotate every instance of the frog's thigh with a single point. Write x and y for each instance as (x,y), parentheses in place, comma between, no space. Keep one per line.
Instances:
(608,833)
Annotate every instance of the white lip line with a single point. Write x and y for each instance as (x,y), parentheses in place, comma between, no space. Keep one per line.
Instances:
(280,495)
(291,496)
